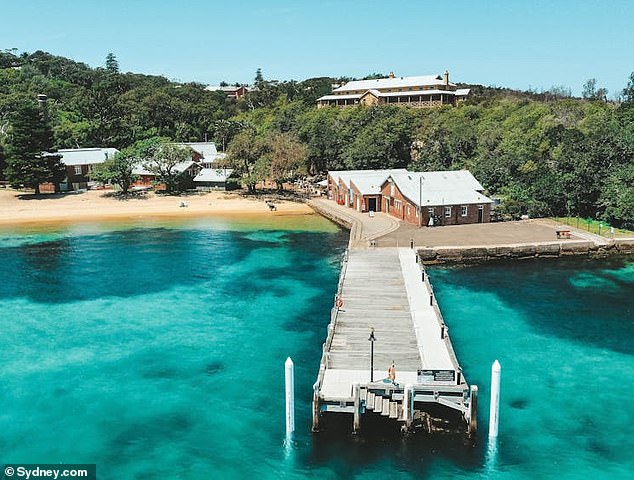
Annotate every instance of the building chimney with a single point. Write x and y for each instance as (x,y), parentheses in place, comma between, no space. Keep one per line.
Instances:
(391,75)
(446,77)
(42,102)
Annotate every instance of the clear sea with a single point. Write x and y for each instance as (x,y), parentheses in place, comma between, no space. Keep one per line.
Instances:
(156,350)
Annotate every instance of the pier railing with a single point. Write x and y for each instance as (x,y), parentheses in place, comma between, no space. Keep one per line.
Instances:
(441,323)
(334,312)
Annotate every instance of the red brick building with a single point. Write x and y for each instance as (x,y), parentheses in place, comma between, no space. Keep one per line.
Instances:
(446,197)
(359,189)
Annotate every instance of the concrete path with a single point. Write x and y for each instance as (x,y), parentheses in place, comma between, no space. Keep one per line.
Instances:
(363,228)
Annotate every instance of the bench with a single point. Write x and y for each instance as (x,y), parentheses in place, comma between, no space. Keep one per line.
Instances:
(563,234)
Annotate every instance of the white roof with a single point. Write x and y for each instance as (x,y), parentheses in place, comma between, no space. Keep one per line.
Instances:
(86,156)
(140,169)
(461,92)
(340,97)
(396,82)
(394,94)
(226,88)
(207,150)
(452,187)
(359,175)
(213,175)
(370,184)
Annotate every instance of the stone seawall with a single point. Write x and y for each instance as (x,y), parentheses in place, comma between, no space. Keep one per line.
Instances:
(464,255)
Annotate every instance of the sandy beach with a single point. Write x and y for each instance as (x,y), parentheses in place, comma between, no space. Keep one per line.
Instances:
(20,208)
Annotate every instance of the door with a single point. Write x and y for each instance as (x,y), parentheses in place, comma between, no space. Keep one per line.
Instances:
(480,213)
(372,204)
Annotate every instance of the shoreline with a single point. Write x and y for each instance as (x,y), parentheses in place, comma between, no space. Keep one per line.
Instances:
(17,209)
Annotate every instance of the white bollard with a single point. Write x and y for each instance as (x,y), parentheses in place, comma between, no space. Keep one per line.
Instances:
(494,410)
(407,404)
(290,396)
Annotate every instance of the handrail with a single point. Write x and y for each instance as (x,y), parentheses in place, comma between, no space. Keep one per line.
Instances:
(333,322)
(441,322)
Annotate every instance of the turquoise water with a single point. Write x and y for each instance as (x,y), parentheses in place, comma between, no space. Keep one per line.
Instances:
(156,350)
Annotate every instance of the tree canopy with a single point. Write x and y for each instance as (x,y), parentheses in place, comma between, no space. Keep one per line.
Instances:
(544,153)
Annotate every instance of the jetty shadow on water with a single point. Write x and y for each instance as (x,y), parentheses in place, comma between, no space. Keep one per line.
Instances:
(585,300)
(380,444)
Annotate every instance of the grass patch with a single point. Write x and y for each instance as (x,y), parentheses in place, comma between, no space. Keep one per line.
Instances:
(592,226)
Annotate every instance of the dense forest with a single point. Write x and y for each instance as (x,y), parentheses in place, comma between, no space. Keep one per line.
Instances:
(543,153)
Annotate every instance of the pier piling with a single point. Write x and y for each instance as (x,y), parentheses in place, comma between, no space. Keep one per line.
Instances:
(356,419)
(495,399)
(290,396)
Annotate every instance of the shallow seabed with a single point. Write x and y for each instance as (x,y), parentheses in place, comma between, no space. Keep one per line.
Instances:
(157,350)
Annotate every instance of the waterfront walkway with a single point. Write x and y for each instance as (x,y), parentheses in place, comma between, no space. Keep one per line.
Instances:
(363,227)
(383,230)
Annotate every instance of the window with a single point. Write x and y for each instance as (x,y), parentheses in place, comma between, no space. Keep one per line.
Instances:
(77,169)
(464,211)
(447,212)
(430,211)
(408,211)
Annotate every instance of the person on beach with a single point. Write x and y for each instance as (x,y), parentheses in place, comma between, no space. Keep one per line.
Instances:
(391,373)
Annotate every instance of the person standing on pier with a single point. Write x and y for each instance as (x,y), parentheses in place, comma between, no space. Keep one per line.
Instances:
(391,373)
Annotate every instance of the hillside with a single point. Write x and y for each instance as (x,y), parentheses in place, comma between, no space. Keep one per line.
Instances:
(545,153)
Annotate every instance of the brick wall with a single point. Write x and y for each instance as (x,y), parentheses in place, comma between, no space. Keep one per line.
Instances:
(403,209)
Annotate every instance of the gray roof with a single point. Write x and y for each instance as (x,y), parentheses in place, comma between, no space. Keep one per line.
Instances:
(86,156)
(207,150)
(213,175)
(359,175)
(452,187)
(140,168)
(396,82)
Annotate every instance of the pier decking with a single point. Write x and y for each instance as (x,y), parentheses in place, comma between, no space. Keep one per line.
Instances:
(385,290)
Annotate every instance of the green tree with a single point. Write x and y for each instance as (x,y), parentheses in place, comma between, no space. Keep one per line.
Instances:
(225,130)
(118,170)
(2,162)
(112,65)
(618,197)
(628,91)
(591,92)
(30,154)
(165,161)
(287,157)
(246,156)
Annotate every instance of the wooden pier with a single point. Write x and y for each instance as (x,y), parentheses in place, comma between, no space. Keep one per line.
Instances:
(386,291)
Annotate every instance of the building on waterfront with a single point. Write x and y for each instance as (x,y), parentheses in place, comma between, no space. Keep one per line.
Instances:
(205,153)
(79,164)
(204,156)
(419,198)
(419,91)
(212,179)
(359,189)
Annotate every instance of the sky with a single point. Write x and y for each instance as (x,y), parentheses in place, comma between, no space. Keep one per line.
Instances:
(521,44)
